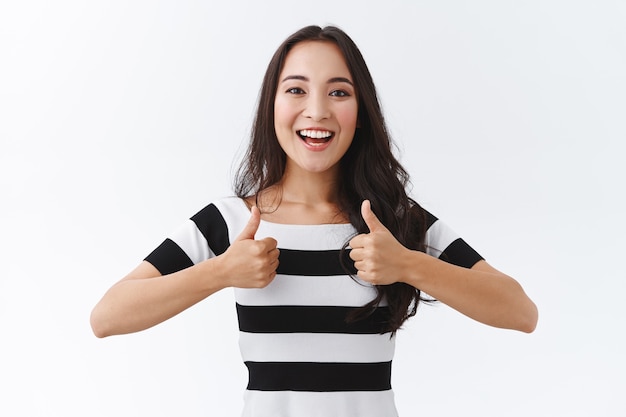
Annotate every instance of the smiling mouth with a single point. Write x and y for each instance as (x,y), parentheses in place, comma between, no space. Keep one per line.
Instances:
(315,137)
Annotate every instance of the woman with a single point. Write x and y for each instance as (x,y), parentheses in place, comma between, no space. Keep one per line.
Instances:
(326,252)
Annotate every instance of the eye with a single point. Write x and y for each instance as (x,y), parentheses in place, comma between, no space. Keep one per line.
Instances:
(339,93)
(295,90)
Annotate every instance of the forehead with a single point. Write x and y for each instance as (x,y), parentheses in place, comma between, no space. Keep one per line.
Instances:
(315,58)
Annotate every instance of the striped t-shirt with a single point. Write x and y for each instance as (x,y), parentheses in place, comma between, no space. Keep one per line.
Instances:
(303,358)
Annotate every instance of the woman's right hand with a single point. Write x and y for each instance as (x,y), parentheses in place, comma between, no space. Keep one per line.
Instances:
(249,263)
(145,298)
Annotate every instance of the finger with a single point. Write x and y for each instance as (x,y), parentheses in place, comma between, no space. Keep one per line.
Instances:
(273,257)
(362,274)
(356,255)
(357,241)
(269,243)
(370,218)
(252,226)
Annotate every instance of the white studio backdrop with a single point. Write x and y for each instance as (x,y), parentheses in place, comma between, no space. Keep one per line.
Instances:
(119,120)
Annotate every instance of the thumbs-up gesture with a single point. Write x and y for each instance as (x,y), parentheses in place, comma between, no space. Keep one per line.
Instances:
(250,263)
(378,257)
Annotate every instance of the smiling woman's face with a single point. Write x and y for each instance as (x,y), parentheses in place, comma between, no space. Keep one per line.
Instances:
(315,110)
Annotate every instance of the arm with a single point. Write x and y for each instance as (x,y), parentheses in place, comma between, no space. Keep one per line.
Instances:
(482,292)
(145,298)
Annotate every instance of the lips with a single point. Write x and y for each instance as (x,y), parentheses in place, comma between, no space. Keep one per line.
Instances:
(315,137)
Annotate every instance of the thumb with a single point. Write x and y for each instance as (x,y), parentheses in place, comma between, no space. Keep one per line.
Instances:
(251,227)
(370,218)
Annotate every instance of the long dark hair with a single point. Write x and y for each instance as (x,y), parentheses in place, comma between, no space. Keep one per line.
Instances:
(369,170)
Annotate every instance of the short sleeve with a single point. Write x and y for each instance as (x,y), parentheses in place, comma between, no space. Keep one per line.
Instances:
(443,243)
(203,236)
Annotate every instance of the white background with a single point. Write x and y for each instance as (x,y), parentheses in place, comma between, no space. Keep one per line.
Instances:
(119,120)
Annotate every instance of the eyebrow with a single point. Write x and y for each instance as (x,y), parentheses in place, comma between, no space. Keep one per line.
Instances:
(330,81)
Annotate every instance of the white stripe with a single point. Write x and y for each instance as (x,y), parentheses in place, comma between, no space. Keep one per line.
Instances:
(337,290)
(438,237)
(191,240)
(307,236)
(307,347)
(317,404)
(289,236)
(235,214)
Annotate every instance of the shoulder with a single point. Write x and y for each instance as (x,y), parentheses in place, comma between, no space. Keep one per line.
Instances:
(227,212)
(444,243)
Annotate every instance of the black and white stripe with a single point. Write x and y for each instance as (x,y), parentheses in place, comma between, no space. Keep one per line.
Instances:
(295,338)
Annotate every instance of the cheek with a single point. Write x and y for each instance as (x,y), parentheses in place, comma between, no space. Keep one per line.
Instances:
(283,115)
(278,112)
(347,117)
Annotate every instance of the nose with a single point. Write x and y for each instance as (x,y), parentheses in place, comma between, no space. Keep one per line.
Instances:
(317,107)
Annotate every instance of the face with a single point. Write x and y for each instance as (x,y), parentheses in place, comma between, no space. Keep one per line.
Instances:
(315,110)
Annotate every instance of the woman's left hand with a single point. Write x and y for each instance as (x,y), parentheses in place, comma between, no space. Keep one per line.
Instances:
(378,257)
(482,292)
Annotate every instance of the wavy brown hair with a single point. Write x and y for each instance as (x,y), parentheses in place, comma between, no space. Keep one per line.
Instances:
(368,170)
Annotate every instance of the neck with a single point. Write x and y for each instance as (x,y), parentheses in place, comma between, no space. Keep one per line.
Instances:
(299,186)
(303,197)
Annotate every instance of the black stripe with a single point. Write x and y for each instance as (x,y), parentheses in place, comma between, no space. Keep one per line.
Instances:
(314,263)
(461,254)
(430,220)
(309,319)
(168,257)
(319,377)
(213,227)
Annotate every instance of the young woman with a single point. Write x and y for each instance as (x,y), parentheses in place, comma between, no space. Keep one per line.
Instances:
(325,251)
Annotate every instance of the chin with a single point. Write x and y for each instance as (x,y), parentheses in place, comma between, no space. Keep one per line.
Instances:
(316,168)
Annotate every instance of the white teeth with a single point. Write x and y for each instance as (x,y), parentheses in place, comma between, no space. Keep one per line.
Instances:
(316,134)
